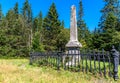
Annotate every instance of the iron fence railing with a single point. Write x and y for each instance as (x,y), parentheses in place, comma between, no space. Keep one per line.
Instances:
(96,62)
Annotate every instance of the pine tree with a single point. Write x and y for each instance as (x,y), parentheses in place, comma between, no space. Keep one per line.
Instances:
(110,22)
(80,22)
(27,15)
(62,24)
(107,25)
(62,39)
(35,25)
(51,27)
(0,12)
(118,9)
(15,32)
(40,18)
(10,17)
(111,7)
(83,32)
(118,16)
(26,11)
(40,26)
(37,43)
(16,10)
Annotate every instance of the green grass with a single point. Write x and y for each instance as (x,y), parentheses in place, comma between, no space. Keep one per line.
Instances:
(19,71)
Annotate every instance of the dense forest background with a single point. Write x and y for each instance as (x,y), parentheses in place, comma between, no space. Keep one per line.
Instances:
(20,32)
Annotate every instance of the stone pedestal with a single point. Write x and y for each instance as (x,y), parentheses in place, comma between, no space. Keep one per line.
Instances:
(74,53)
(73,44)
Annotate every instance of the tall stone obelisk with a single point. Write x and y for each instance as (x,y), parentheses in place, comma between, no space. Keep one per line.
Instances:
(73,42)
(73,46)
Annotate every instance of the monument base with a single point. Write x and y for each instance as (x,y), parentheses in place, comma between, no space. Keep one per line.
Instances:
(73,44)
(73,50)
(74,54)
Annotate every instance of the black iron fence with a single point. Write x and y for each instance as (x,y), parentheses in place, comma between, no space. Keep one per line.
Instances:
(97,62)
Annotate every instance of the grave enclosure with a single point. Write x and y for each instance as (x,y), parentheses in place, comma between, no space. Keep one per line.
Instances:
(96,62)
(99,62)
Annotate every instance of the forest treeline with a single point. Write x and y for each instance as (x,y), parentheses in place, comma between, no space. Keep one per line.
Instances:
(21,33)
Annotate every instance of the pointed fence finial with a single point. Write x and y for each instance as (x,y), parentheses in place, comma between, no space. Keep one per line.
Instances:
(113,47)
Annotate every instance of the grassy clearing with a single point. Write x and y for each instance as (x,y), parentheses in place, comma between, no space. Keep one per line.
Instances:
(19,71)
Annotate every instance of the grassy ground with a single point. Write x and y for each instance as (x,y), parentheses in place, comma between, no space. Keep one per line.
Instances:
(19,71)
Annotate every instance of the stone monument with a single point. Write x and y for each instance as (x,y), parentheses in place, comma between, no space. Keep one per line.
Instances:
(73,42)
(73,46)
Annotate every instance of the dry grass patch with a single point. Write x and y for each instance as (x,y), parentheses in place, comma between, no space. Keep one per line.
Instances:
(19,71)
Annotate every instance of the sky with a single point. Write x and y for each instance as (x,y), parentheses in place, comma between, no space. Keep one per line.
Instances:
(91,9)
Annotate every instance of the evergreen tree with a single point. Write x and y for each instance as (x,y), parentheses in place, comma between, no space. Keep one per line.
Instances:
(37,43)
(111,7)
(110,22)
(97,40)
(40,26)
(51,27)
(15,32)
(80,22)
(107,25)
(12,32)
(118,17)
(40,18)
(118,9)
(118,26)
(16,10)
(83,32)
(10,17)
(0,12)
(62,39)
(27,16)
(62,24)
(27,12)
(35,25)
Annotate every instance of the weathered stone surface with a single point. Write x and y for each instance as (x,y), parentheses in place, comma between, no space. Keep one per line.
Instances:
(73,30)
(73,45)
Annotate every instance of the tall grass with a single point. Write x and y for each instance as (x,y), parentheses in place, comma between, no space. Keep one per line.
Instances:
(19,71)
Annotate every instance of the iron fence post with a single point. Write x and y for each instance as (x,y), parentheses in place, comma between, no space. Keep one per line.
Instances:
(58,61)
(31,58)
(115,55)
